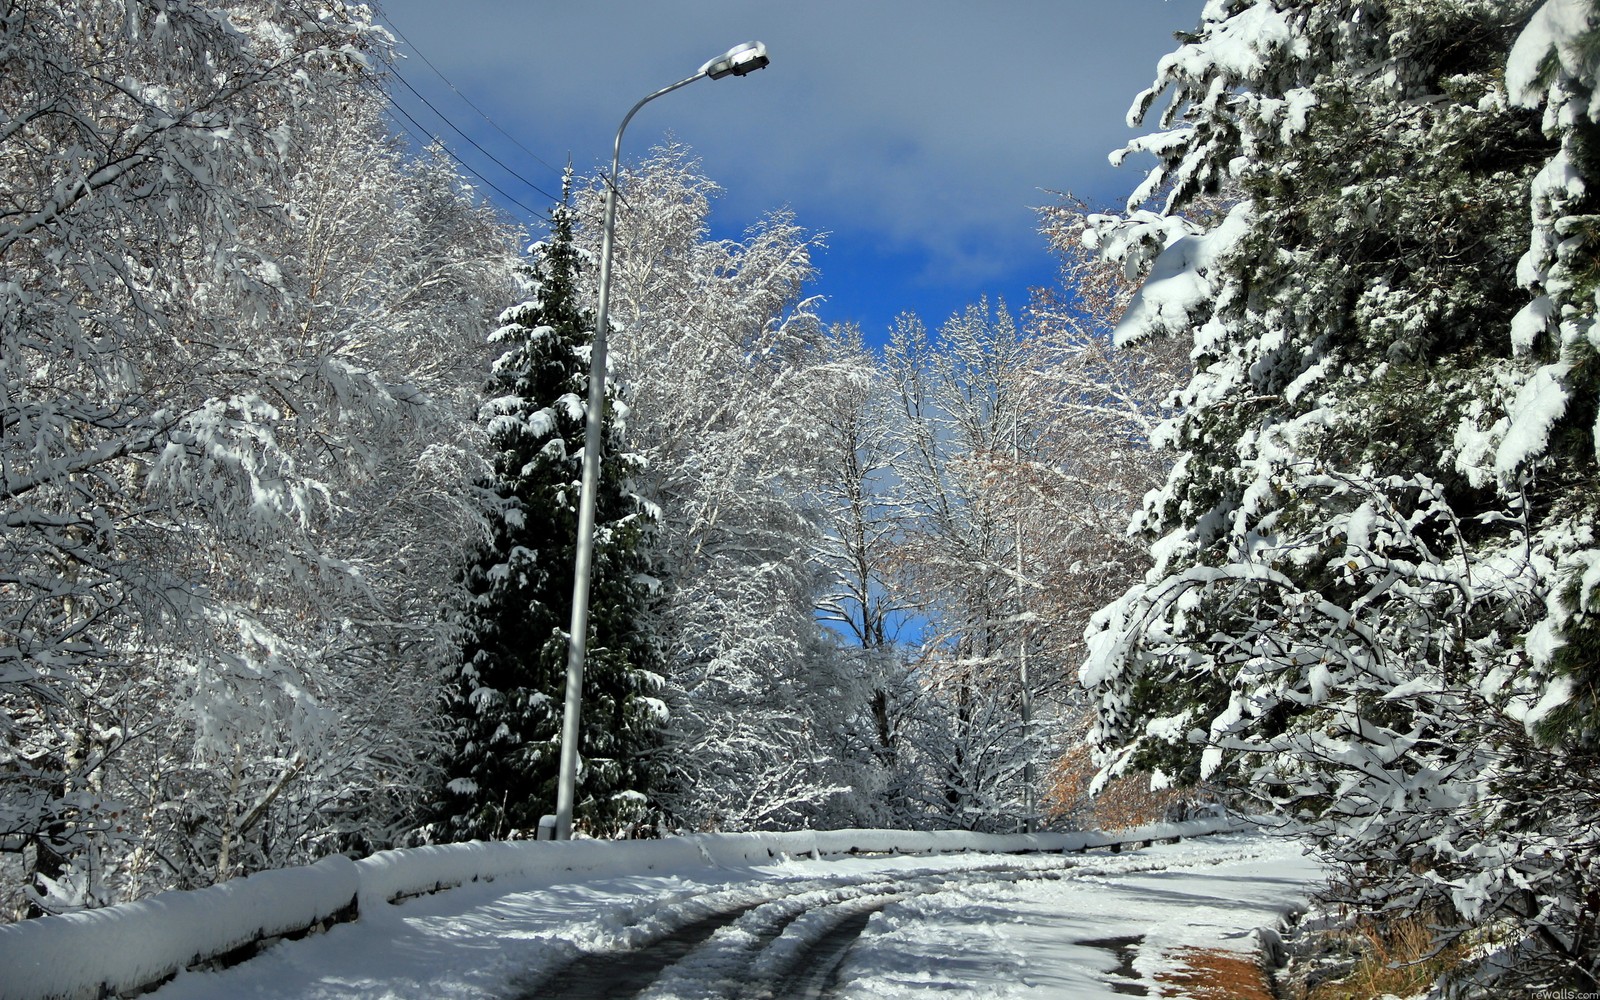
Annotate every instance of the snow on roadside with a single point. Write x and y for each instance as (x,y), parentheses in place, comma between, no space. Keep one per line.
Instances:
(1072,936)
(146,940)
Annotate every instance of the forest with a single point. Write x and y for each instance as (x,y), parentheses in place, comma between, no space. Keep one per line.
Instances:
(1281,497)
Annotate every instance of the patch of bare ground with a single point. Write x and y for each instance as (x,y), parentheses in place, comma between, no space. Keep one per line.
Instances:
(1217,974)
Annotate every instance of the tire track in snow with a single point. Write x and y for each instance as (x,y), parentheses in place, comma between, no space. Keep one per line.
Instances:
(771,940)
(618,954)
(815,980)
(619,975)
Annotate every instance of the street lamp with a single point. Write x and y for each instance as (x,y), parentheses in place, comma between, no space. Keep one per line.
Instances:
(737,61)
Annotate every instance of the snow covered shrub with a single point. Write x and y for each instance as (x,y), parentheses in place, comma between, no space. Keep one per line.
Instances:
(1375,555)
(1396,956)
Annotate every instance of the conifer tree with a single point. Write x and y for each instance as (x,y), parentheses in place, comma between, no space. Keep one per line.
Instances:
(507,702)
(1374,556)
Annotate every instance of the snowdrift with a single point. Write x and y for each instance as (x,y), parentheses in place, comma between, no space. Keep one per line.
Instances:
(114,950)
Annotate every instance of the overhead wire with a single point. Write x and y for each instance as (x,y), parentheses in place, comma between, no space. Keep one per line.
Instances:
(462,163)
(467,100)
(425,137)
(395,70)
(422,134)
(390,25)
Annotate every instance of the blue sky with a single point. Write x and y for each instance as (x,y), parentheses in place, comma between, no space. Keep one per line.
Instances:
(919,135)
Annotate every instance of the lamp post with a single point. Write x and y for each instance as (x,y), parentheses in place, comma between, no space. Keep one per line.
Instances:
(1029,819)
(737,61)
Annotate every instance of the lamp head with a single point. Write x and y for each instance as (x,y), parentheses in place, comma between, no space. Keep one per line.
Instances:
(737,61)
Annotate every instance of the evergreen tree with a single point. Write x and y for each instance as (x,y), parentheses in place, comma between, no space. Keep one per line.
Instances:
(507,702)
(1375,553)
(718,350)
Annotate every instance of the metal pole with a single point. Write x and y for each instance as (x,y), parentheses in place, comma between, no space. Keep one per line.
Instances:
(1022,655)
(578,635)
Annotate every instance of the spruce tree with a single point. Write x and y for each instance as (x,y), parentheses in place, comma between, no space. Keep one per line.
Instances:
(1376,553)
(508,692)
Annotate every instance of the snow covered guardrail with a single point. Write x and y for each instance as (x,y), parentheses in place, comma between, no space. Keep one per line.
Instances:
(119,949)
(131,947)
(391,875)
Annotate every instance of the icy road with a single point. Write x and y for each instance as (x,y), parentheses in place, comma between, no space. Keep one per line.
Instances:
(1095,925)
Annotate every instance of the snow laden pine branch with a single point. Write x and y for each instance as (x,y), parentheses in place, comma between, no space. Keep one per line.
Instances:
(1374,554)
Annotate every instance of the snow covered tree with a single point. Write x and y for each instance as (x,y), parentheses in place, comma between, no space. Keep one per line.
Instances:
(853,417)
(507,705)
(1092,408)
(420,265)
(1374,553)
(958,411)
(714,341)
(856,427)
(205,359)
(140,389)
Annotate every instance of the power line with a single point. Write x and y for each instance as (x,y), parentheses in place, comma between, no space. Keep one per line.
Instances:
(422,133)
(457,129)
(393,68)
(468,101)
(452,154)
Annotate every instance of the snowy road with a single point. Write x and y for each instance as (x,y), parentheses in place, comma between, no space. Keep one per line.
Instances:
(984,925)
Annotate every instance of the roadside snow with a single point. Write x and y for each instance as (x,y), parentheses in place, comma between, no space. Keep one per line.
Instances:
(1072,937)
(155,937)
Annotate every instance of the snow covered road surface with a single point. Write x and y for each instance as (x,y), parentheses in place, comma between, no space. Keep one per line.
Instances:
(982,925)
(1105,929)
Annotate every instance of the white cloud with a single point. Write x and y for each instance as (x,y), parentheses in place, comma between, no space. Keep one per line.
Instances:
(931,125)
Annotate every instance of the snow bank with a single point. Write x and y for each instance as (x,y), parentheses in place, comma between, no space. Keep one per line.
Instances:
(122,948)
(391,875)
(104,952)
(837,842)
